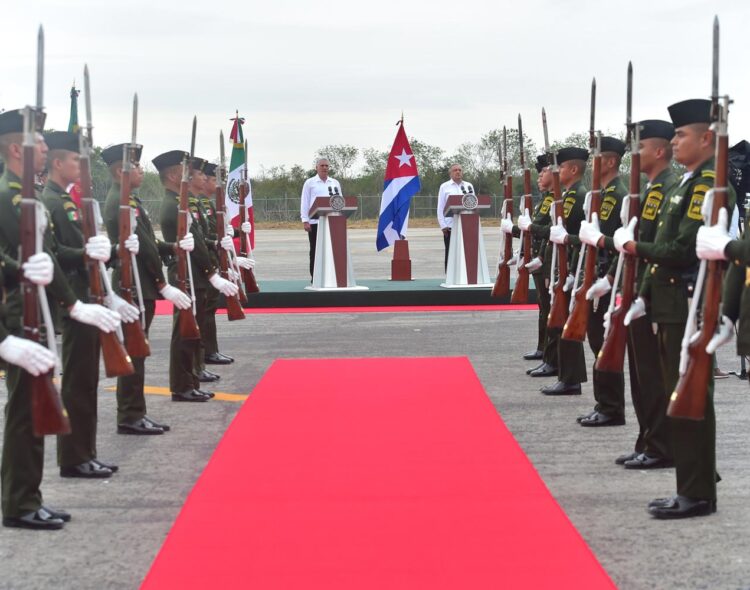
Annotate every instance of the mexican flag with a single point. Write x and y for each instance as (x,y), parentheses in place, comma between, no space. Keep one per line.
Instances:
(237,175)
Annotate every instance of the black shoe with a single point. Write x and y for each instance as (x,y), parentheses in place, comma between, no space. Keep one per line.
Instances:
(61,514)
(599,419)
(561,388)
(208,394)
(216,359)
(680,507)
(141,426)
(189,396)
(111,466)
(208,377)
(41,519)
(533,356)
(529,371)
(587,416)
(623,458)
(226,356)
(87,470)
(544,370)
(164,427)
(644,461)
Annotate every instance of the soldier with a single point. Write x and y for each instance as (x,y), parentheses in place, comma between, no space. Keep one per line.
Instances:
(76,452)
(23,453)
(539,266)
(571,360)
(131,402)
(609,388)
(667,287)
(183,354)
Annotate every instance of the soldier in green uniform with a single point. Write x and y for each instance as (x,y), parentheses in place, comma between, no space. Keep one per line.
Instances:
(183,377)
(23,453)
(571,360)
(131,402)
(667,288)
(76,452)
(211,354)
(609,388)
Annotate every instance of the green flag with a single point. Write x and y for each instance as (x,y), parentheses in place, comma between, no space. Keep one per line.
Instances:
(73,123)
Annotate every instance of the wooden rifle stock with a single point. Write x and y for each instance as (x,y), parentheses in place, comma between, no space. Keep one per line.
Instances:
(188,326)
(502,281)
(558,312)
(234,307)
(117,362)
(136,342)
(521,288)
(248,276)
(611,357)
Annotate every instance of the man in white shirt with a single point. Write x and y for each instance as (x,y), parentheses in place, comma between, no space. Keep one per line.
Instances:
(455,186)
(320,185)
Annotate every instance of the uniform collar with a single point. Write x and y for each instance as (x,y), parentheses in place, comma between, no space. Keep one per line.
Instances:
(56,188)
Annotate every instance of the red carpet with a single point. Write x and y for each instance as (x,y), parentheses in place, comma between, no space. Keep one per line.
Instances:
(165,308)
(372,473)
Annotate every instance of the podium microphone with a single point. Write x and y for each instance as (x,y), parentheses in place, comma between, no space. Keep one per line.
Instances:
(463,188)
(471,190)
(330,191)
(336,191)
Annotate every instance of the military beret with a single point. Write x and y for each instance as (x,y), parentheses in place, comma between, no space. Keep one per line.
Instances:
(687,112)
(209,169)
(63,140)
(572,153)
(541,162)
(656,128)
(113,153)
(167,159)
(11,122)
(612,144)
(199,164)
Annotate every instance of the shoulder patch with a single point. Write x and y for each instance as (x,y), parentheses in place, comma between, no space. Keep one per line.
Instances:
(68,205)
(15,185)
(546,204)
(17,200)
(608,205)
(708,174)
(568,204)
(653,203)
(133,203)
(696,202)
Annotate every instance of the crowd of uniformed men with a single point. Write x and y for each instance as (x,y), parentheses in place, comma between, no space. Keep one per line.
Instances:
(62,268)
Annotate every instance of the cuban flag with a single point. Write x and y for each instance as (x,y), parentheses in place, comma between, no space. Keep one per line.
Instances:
(401,184)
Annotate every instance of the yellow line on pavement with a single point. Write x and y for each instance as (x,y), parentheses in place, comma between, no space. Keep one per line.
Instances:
(225,397)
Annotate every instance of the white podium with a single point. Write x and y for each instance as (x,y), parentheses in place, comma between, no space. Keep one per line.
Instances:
(333,263)
(467,259)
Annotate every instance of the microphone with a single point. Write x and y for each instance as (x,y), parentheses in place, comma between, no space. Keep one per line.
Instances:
(463,188)
(471,190)
(336,191)
(330,191)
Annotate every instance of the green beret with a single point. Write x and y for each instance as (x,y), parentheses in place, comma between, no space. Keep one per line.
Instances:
(167,159)
(11,122)
(199,164)
(113,153)
(572,153)
(541,162)
(687,112)
(656,128)
(209,169)
(63,140)
(612,144)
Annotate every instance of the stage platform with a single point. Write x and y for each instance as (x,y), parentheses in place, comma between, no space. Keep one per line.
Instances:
(379,293)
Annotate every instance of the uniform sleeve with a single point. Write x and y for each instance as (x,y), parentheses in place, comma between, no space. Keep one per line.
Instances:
(69,257)
(442,197)
(734,282)
(201,256)
(112,216)
(148,255)
(304,207)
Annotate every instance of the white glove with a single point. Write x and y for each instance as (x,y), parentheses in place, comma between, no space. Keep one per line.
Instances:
(625,234)
(724,335)
(98,248)
(246,263)
(506,225)
(557,233)
(598,289)
(229,230)
(132,244)
(39,269)
(712,240)
(246,227)
(637,310)
(187,243)
(524,221)
(589,232)
(30,356)
(95,315)
(225,287)
(233,275)
(227,243)
(535,264)
(128,313)
(607,320)
(179,299)
(570,279)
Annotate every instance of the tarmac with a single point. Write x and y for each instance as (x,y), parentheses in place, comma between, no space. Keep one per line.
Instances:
(119,524)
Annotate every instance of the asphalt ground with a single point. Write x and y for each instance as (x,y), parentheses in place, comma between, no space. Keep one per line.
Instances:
(119,524)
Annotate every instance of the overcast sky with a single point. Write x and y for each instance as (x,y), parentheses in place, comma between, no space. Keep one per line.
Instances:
(305,74)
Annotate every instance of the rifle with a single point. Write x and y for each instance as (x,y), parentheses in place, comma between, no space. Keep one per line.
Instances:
(136,341)
(234,307)
(47,413)
(696,366)
(248,276)
(575,327)
(117,362)
(188,326)
(558,312)
(521,289)
(502,281)
(611,357)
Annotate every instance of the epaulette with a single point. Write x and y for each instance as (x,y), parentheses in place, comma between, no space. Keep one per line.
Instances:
(708,174)
(15,185)
(133,203)
(69,205)
(17,199)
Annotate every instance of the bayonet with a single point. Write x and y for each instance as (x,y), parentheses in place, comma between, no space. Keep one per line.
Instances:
(546,133)
(629,107)
(505,151)
(520,141)
(222,156)
(135,120)
(715,64)
(39,116)
(192,138)
(87,100)
(592,124)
